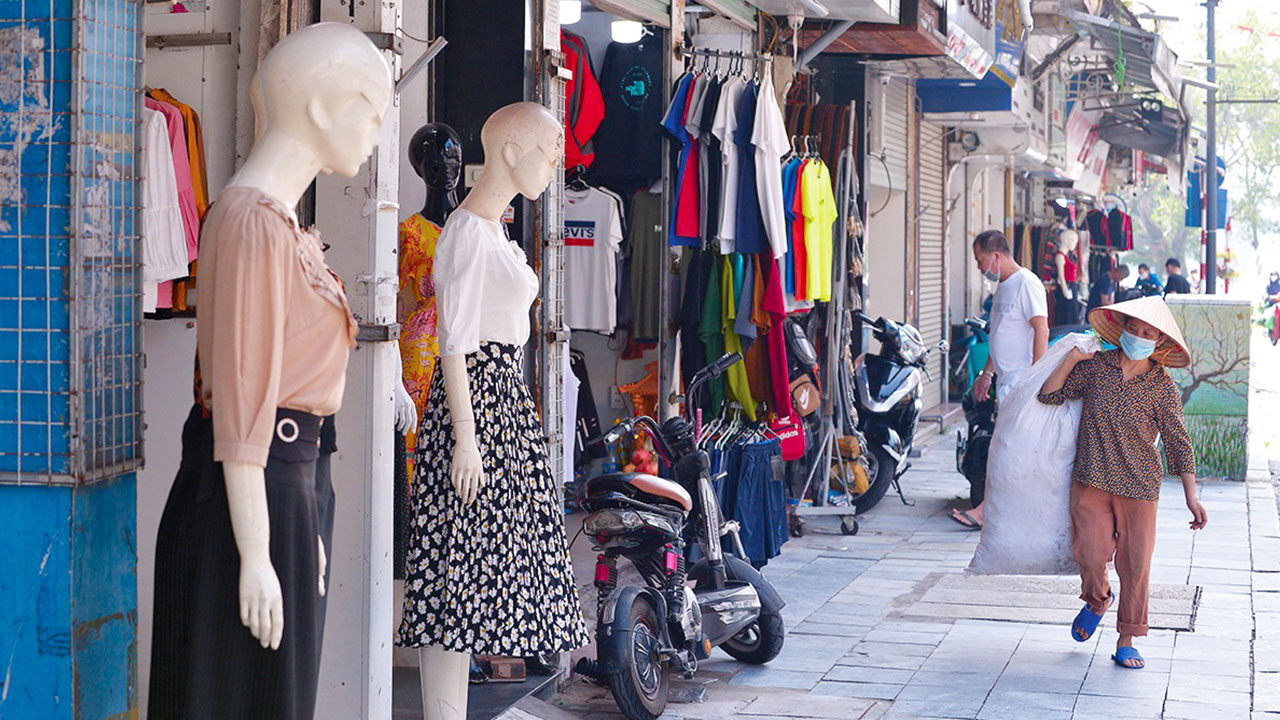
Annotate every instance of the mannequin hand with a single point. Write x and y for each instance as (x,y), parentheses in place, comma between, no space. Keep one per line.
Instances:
(261,602)
(467,469)
(406,411)
(324,564)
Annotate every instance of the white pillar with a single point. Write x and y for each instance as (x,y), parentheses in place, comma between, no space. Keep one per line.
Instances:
(358,219)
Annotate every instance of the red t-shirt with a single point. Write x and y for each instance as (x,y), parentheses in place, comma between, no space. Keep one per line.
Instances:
(687,215)
(800,257)
(776,306)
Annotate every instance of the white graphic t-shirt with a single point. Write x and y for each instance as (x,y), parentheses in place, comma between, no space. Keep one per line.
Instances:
(592,241)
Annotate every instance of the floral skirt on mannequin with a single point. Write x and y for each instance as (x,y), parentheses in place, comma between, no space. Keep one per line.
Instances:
(492,577)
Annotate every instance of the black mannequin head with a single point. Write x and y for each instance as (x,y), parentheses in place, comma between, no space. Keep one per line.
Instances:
(435,152)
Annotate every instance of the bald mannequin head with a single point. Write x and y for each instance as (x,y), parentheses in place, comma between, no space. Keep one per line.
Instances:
(327,86)
(524,142)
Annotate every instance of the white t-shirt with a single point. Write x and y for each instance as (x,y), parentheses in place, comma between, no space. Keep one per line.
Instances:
(726,122)
(1018,299)
(592,240)
(769,135)
(484,286)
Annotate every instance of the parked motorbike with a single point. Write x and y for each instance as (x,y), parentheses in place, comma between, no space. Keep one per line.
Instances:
(888,403)
(644,631)
(972,446)
(968,355)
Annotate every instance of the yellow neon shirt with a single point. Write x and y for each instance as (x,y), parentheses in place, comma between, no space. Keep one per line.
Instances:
(819,206)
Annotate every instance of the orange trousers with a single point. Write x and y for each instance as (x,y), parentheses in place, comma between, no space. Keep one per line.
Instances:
(1107,526)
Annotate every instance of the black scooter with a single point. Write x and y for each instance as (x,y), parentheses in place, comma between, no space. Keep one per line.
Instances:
(646,630)
(888,402)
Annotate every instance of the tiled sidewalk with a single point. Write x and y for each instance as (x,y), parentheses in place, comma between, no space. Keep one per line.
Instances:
(851,653)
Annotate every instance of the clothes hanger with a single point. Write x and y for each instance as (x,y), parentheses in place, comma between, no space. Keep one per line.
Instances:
(576,180)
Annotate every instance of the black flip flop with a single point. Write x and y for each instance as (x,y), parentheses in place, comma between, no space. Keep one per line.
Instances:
(964,519)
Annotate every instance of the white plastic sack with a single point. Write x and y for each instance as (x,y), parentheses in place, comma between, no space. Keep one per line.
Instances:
(1026,527)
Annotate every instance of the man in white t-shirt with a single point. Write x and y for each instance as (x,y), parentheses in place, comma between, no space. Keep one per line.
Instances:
(1018,331)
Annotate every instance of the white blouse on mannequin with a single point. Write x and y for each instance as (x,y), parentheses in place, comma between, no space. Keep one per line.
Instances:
(484,286)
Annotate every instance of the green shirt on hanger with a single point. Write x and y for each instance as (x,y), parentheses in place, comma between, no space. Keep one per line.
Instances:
(739,386)
(711,334)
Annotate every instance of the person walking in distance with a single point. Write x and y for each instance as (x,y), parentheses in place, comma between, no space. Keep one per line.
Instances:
(1129,402)
(1176,283)
(1019,328)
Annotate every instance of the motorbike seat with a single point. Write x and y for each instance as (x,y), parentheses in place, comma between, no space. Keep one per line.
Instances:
(642,486)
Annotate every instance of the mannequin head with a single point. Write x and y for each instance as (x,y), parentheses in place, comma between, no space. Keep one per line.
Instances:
(326,88)
(1068,241)
(435,152)
(523,142)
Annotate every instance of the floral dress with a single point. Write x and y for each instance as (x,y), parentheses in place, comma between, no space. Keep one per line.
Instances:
(416,313)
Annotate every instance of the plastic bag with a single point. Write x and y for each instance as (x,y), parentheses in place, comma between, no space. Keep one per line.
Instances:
(1026,526)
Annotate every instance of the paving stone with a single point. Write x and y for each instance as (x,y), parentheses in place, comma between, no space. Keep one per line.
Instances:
(764,676)
(933,677)
(809,627)
(930,709)
(809,707)
(957,694)
(1017,705)
(1184,693)
(1195,682)
(1179,710)
(882,660)
(907,638)
(1119,707)
(870,646)
(1048,683)
(1112,680)
(873,691)
(855,673)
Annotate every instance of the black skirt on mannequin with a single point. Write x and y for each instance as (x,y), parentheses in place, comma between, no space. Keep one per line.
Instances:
(1067,311)
(205,665)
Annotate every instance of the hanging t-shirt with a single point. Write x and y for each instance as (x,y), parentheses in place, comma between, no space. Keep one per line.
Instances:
(799,243)
(684,211)
(584,104)
(776,306)
(645,250)
(592,239)
(628,143)
(820,213)
(789,178)
(709,164)
(724,129)
(751,237)
(736,376)
(770,139)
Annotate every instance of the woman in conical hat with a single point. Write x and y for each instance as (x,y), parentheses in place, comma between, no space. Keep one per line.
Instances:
(1129,402)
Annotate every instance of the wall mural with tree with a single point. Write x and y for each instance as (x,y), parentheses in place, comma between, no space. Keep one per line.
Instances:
(1215,388)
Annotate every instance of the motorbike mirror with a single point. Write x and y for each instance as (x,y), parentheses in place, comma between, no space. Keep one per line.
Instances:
(943,346)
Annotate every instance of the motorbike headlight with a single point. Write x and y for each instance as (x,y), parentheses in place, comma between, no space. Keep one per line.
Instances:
(612,522)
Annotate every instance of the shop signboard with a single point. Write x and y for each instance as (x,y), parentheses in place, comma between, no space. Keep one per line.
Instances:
(1056,110)
(1094,168)
(971,34)
(1080,135)
(1008,54)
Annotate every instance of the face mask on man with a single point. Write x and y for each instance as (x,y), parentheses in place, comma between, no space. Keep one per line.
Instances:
(992,273)
(1137,348)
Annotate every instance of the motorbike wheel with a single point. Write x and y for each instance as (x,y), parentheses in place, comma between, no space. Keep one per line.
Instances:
(759,642)
(641,685)
(881,479)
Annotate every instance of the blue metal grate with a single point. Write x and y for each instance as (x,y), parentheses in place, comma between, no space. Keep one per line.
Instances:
(70,313)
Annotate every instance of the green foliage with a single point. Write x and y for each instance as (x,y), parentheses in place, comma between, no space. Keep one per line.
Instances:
(1249,133)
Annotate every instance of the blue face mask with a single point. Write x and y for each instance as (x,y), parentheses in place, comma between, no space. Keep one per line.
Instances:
(1135,347)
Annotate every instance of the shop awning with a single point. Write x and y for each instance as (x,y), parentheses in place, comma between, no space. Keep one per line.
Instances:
(654,12)
(1153,129)
(1149,63)
(949,95)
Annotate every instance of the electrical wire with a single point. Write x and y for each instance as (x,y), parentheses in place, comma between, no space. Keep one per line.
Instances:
(889,177)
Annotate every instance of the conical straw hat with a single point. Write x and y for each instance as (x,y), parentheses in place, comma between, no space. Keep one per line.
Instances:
(1109,322)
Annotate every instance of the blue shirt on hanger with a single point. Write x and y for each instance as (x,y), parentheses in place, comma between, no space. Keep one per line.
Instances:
(674,124)
(751,233)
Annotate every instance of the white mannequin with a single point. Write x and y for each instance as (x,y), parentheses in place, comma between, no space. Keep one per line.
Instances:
(304,129)
(1068,241)
(522,144)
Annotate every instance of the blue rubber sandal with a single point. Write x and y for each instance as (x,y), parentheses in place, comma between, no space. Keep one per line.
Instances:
(1125,654)
(1088,621)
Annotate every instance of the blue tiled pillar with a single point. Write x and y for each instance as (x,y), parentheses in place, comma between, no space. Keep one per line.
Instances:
(69,363)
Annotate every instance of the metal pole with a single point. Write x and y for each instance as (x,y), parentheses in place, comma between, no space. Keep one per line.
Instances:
(1211,165)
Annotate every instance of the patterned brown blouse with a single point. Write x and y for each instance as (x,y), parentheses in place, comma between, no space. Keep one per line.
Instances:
(1116,447)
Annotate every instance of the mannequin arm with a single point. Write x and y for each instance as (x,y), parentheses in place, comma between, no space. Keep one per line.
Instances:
(261,602)
(406,411)
(1061,261)
(466,471)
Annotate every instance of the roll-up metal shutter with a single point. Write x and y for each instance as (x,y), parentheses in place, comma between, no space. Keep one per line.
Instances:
(889,107)
(930,282)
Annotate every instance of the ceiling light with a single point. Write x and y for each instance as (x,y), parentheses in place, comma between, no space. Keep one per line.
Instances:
(626,31)
(570,11)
